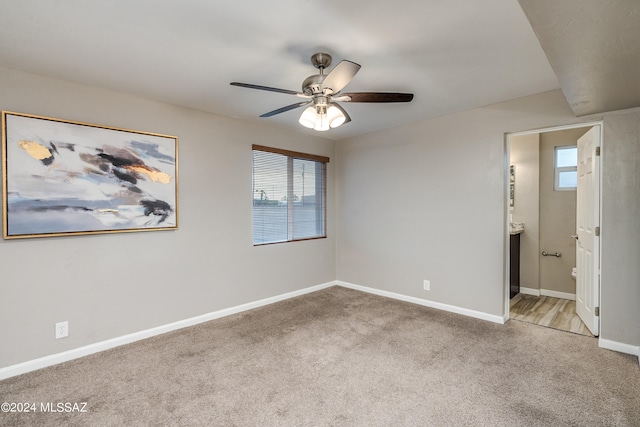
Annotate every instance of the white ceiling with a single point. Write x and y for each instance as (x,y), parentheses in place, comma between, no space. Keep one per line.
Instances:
(594,49)
(452,54)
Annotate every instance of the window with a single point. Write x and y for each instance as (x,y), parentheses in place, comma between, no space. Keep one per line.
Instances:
(566,168)
(288,195)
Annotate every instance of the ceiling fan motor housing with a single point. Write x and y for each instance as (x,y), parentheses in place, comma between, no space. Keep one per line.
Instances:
(312,85)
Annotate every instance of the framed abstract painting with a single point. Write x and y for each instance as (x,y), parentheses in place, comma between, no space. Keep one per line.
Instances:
(63,178)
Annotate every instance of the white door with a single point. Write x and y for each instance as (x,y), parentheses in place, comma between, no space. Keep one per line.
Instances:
(587,222)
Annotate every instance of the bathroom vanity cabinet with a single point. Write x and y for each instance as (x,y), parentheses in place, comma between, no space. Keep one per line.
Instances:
(515,230)
(514,264)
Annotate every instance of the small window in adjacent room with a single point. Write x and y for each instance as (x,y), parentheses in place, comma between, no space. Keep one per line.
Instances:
(566,168)
(289,191)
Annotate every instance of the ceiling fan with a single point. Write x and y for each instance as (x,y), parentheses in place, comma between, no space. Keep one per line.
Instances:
(322,94)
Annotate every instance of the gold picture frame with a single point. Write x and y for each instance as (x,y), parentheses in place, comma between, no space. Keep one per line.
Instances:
(62,177)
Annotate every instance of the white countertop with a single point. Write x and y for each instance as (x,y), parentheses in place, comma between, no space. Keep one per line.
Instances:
(516,228)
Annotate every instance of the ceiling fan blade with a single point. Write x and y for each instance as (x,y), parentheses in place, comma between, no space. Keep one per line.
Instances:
(287,108)
(270,89)
(374,97)
(340,76)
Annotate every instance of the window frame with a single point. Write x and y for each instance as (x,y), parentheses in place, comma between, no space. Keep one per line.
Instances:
(557,170)
(291,156)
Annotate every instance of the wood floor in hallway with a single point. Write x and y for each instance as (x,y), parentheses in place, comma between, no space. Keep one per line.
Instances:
(546,311)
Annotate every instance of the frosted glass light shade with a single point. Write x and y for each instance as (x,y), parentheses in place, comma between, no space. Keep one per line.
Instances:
(308,118)
(335,116)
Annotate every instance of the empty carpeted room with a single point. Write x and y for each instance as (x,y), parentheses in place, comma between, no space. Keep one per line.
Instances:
(191,237)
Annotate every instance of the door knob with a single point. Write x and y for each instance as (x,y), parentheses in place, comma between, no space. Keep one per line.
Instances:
(574,236)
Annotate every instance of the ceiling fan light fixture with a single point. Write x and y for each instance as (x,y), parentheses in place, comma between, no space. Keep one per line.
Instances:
(321,118)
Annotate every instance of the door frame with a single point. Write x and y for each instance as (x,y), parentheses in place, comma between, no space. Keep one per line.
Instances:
(507,156)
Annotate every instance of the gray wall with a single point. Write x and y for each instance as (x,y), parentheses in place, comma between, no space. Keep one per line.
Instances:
(525,155)
(427,201)
(111,285)
(620,226)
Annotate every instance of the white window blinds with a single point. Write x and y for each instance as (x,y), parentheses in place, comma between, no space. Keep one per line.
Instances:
(288,195)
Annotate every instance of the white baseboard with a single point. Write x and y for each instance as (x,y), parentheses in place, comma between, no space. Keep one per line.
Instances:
(440,306)
(556,294)
(547,293)
(530,291)
(54,359)
(619,347)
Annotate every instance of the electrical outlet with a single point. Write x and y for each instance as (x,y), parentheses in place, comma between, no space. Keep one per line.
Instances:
(62,329)
(426,285)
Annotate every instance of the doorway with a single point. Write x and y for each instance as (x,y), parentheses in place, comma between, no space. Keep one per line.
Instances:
(550,312)
(541,209)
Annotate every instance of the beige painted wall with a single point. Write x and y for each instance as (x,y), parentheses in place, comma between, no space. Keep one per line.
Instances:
(557,216)
(525,155)
(108,286)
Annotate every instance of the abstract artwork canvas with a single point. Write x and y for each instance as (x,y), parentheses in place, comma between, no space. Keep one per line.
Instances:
(67,178)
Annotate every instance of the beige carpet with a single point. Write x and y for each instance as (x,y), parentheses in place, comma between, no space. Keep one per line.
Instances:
(342,358)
